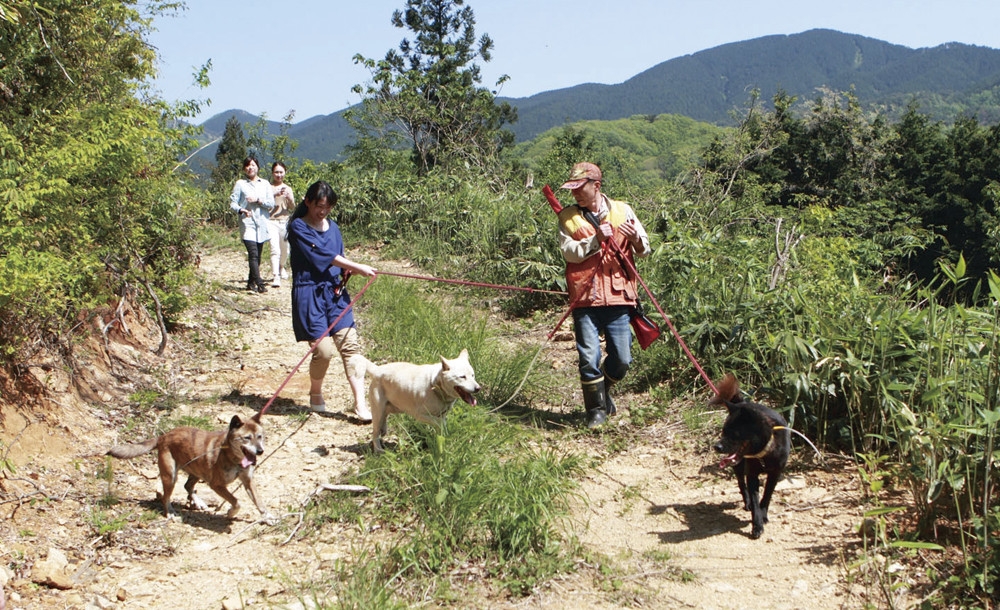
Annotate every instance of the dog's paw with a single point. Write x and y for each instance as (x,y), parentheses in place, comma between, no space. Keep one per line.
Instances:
(197,503)
(232,511)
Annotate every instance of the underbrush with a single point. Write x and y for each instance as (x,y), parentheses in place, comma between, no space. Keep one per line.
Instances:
(899,373)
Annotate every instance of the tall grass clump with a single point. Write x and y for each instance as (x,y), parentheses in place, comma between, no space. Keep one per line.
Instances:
(477,496)
(480,495)
(910,376)
(714,287)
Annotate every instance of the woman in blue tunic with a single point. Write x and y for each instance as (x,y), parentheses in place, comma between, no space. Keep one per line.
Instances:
(316,253)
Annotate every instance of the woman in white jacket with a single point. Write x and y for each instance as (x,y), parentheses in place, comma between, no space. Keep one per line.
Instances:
(253,199)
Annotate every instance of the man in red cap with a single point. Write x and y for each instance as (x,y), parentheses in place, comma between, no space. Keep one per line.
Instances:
(602,288)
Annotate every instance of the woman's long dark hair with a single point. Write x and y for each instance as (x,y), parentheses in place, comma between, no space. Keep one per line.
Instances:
(316,191)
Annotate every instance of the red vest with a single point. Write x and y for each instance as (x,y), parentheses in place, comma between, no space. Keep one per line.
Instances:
(610,285)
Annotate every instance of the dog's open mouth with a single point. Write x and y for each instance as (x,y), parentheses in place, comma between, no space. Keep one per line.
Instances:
(249,458)
(466,396)
(729,460)
(733,458)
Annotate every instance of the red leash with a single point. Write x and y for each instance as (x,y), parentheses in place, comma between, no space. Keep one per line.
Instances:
(557,207)
(476,284)
(362,291)
(673,330)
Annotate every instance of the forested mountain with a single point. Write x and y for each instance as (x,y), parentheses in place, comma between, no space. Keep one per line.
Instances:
(946,81)
(709,85)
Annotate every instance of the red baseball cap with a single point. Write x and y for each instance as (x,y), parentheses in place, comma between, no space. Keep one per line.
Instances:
(580,174)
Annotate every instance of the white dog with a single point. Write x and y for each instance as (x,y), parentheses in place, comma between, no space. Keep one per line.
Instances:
(423,391)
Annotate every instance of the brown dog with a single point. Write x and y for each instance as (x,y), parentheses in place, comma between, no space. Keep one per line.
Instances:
(217,458)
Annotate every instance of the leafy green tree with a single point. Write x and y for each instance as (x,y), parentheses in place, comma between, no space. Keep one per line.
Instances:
(233,149)
(229,156)
(832,157)
(268,148)
(973,194)
(429,90)
(950,180)
(570,146)
(746,163)
(94,213)
(281,147)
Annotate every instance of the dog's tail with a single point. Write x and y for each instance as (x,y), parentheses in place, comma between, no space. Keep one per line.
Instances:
(126,452)
(358,366)
(728,390)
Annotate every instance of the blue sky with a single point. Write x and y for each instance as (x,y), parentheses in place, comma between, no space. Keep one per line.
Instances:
(273,57)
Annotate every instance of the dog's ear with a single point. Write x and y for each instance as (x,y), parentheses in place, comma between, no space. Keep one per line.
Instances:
(235,422)
(727,390)
(464,355)
(256,417)
(444,364)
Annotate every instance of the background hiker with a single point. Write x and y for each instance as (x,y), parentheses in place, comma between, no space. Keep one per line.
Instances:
(252,199)
(277,223)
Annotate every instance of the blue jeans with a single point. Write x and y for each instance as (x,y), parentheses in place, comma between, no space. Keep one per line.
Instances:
(588,323)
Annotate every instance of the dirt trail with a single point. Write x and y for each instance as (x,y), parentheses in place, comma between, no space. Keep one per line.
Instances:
(671,523)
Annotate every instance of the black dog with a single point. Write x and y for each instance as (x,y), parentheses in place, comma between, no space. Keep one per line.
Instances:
(755,440)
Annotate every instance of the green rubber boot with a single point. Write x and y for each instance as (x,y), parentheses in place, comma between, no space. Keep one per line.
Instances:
(594,394)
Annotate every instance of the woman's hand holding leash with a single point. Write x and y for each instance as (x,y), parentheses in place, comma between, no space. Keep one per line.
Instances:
(365,270)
